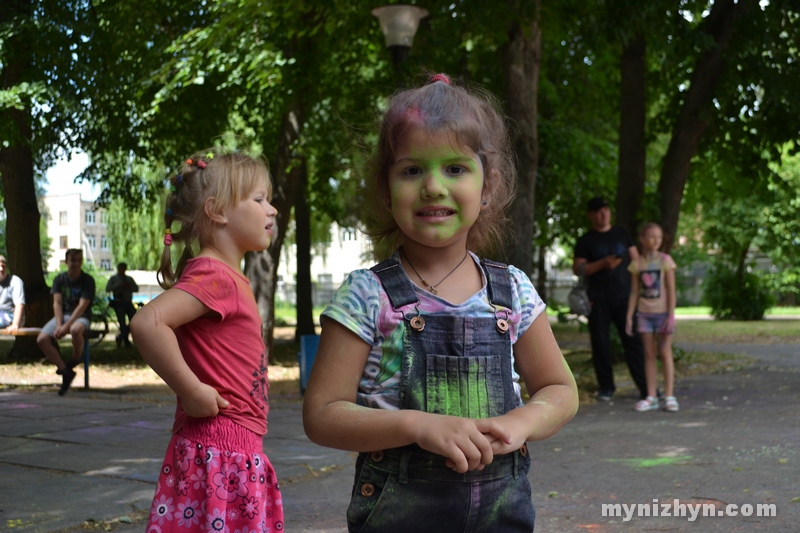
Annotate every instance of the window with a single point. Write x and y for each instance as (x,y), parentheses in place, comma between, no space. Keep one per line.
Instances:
(103,242)
(92,242)
(62,218)
(105,264)
(62,242)
(348,234)
(89,217)
(101,219)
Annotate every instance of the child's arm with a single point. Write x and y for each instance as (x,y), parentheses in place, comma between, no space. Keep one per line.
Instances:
(669,279)
(153,328)
(332,418)
(633,299)
(550,383)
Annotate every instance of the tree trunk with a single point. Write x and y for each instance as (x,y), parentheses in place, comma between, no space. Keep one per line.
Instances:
(22,211)
(262,267)
(302,220)
(696,112)
(521,60)
(632,144)
(541,277)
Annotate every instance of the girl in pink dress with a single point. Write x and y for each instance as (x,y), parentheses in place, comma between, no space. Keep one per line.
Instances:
(203,337)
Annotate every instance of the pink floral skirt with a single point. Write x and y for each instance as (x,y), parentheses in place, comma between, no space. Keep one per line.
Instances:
(216,477)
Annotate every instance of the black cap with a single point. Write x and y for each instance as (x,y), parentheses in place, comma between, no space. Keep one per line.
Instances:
(596,203)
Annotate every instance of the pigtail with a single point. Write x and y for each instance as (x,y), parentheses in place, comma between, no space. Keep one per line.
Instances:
(165,275)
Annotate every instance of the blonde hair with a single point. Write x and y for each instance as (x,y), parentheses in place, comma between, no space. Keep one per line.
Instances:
(472,115)
(211,173)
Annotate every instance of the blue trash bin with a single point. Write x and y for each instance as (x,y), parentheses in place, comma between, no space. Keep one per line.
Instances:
(308,352)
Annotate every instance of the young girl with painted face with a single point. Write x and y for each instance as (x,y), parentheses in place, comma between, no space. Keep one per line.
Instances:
(418,358)
(653,295)
(203,337)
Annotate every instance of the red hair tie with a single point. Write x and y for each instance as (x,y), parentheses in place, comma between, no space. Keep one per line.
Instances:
(440,77)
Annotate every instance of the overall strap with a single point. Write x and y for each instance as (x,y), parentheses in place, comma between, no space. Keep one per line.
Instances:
(498,283)
(395,282)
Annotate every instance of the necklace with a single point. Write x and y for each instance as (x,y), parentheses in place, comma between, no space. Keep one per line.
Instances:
(432,288)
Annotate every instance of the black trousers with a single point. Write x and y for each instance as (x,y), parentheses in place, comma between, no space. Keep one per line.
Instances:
(604,313)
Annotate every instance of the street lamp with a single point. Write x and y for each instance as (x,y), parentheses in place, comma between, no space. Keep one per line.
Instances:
(399,23)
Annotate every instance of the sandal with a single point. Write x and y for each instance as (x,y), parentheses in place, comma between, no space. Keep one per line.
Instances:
(648,404)
(671,404)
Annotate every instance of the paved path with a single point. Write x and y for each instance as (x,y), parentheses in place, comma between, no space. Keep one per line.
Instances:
(95,456)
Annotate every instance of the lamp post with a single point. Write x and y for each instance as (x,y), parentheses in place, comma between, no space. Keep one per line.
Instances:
(399,23)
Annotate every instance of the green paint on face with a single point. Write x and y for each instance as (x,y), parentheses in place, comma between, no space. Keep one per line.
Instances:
(435,187)
(651,462)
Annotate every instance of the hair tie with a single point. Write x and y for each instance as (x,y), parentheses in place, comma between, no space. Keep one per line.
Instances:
(440,77)
(179,178)
(167,237)
(210,155)
(189,161)
(170,212)
(201,164)
(172,188)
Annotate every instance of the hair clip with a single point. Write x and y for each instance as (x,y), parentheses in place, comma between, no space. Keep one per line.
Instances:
(189,161)
(210,155)
(178,179)
(170,212)
(167,237)
(201,164)
(172,188)
(440,77)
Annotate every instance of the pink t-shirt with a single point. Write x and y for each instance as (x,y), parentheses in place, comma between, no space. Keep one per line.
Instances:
(651,274)
(225,350)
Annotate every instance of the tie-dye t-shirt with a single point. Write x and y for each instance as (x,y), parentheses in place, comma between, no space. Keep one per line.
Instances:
(362,306)
(652,292)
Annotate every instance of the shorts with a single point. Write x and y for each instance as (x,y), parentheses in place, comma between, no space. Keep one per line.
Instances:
(6,318)
(50,327)
(655,323)
(216,478)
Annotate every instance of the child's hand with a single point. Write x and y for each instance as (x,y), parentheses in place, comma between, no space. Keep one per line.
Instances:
(668,327)
(203,402)
(462,441)
(629,327)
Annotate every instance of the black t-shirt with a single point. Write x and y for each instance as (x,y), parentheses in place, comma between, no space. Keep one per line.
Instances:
(73,290)
(607,284)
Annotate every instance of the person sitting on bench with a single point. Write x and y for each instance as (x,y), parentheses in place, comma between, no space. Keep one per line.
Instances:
(73,294)
(12,299)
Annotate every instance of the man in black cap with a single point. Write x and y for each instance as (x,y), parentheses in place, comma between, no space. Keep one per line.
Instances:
(604,253)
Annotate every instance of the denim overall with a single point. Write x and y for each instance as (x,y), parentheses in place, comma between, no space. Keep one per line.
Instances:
(459,366)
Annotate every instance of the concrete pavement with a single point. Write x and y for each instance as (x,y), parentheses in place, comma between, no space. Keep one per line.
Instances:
(93,457)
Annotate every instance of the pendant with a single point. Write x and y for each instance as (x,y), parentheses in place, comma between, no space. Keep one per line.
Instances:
(417,323)
(433,290)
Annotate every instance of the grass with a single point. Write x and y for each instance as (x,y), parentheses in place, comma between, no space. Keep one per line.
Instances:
(700,310)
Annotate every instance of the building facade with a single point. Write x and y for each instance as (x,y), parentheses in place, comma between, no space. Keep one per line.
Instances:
(76,223)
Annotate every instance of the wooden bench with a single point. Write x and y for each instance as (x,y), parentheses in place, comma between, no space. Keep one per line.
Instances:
(34,332)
